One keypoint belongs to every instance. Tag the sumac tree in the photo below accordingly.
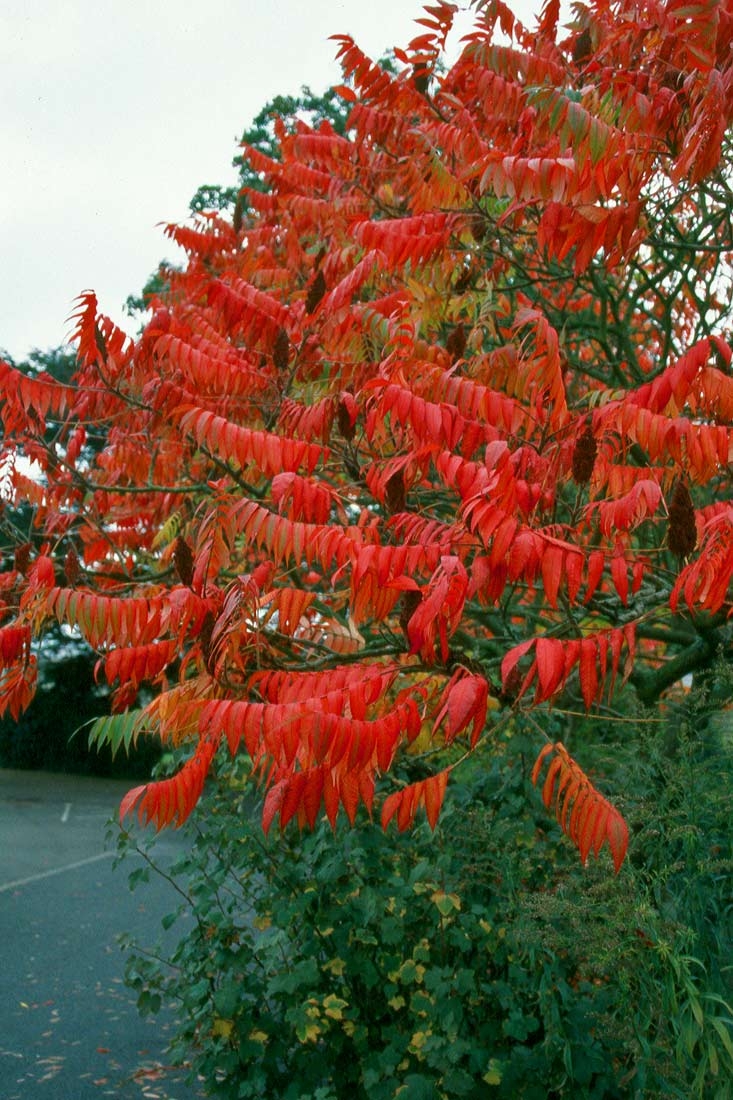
(443, 418)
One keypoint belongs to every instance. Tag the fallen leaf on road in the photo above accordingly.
(151, 1073)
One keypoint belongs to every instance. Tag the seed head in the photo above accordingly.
(281, 350)
(315, 292)
(183, 561)
(409, 604)
(72, 569)
(682, 531)
(584, 457)
(346, 420)
(456, 342)
(23, 557)
(394, 493)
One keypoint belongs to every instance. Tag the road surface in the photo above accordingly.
(69, 1027)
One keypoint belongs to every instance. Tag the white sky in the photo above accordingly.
(113, 114)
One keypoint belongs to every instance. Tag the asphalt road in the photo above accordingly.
(68, 1026)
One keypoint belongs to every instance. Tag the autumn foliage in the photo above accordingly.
(437, 432)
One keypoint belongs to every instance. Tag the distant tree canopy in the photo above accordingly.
(286, 111)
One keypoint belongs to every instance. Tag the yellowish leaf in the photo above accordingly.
(333, 1006)
(222, 1028)
(446, 903)
(493, 1074)
(308, 1032)
(334, 966)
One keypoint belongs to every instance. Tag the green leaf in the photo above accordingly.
(148, 1003)
(302, 974)
(519, 1026)
(408, 973)
(228, 998)
(725, 1034)
(696, 1009)
(139, 875)
(116, 730)
(456, 1082)
(417, 1087)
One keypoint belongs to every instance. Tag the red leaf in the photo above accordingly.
(548, 790)
(130, 800)
(582, 812)
(512, 658)
(552, 570)
(273, 802)
(620, 577)
(617, 834)
(596, 564)
(588, 671)
(550, 666)
(292, 797)
(467, 700)
(404, 803)
(432, 796)
(546, 751)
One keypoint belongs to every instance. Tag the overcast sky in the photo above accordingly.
(113, 114)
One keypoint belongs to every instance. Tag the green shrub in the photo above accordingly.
(478, 961)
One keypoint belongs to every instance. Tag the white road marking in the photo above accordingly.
(65, 814)
(54, 871)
